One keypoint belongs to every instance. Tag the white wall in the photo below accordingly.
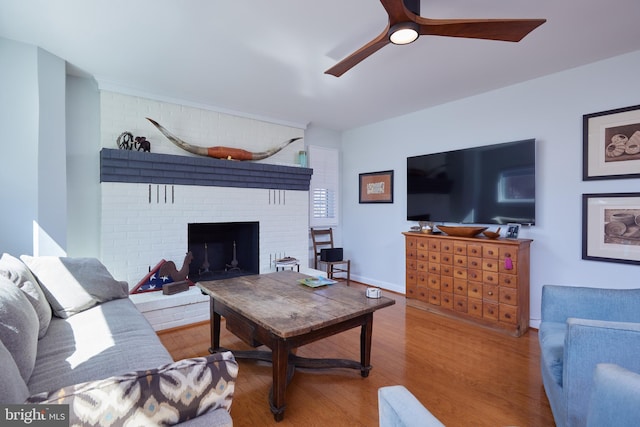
(549, 109)
(32, 148)
(83, 173)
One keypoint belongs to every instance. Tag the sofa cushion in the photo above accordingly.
(14, 389)
(164, 396)
(105, 340)
(18, 327)
(551, 336)
(73, 285)
(16, 271)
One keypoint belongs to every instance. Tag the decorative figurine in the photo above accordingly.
(142, 144)
(125, 141)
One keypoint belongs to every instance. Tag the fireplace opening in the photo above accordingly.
(223, 249)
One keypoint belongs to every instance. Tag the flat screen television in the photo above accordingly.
(494, 184)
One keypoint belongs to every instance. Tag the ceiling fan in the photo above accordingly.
(406, 25)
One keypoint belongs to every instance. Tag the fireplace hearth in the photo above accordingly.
(223, 250)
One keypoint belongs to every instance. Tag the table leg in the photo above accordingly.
(214, 324)
(365, 345)
(280, 360)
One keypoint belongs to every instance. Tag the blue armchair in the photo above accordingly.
(615, 400)
(581, 328)
(397, 407)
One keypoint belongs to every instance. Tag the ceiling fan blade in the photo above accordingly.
(359, 55)
(511, 30)
(397, 11)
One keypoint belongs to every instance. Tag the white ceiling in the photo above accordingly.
(267, 59)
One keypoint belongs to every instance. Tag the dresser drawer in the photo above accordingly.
(508, 296)
(422, 293)
(433, 281)
(474, 307)
(460, 303)
(446, 283)
(474, 250)
(508, 280)
(490, 277)
(446, 300)
(490, 292)
(411, 277)
(474, 274)
(503, 266)
(460, 287)
(474, 290)
(490, 311)
(508, 314)
(412, 290)
(446, 270)
(446, 258)
(460, 260)
(434, 245)
(410, 244)
(421, 278)
(474, 262)
(490, 264)
(434, 268)
(460, 272)
(434, 297)
(460, 248)
(509, 252)
(490, 251)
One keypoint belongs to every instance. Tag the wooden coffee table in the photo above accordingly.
(277, 311)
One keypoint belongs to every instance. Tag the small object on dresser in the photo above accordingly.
(175, 287)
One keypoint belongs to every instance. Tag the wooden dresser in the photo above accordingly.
(477, 279)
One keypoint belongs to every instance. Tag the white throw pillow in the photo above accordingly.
(73, 285)
(18, 327)
(16, 271)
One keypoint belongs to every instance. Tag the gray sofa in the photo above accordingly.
(69, 334)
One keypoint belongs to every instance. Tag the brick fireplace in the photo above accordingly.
(149, 199)
(223, 249)
(145, 222)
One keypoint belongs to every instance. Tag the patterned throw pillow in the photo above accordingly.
(164, 396)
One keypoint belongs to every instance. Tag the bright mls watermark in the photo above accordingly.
(34, 415)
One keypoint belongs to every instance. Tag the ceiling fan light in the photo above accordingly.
(403, 33)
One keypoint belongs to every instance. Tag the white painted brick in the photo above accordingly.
(137, 234)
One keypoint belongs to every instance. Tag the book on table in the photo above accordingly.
(314, 282)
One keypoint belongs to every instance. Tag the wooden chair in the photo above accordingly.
(323, 239)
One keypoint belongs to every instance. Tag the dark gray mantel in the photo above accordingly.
(152, 168)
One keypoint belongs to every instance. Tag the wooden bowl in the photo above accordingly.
(461, 231)
(492, 234)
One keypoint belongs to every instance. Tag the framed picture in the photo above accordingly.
(512, 231)
(376, 187)
(611, 144)
(611, 227)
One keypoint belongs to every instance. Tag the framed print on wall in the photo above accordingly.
(376, 187)
(611, 144)
(611, 227)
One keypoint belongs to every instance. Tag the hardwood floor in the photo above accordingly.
(464, 374)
